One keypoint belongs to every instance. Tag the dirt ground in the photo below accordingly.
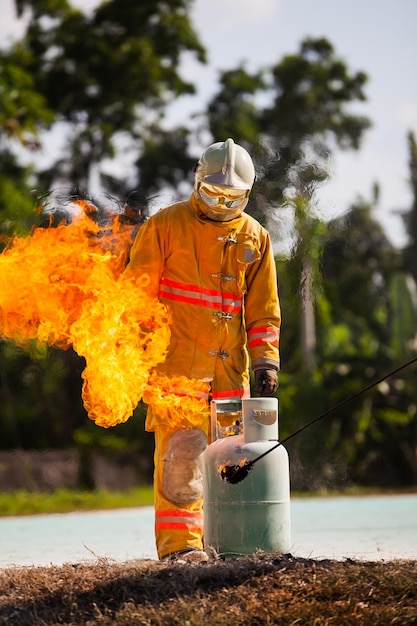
(261, 589)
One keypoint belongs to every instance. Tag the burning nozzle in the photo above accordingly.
(234, 474)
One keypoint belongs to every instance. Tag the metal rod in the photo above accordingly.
(334, 408)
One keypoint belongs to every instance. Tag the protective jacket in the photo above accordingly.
(218, 279)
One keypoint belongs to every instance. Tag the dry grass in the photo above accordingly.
(263, 589)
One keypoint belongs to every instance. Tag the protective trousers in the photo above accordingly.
(178, 488)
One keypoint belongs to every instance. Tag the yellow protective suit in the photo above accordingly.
(218, 280)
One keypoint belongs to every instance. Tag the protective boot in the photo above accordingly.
(188, 557)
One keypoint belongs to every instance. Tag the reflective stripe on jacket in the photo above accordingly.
(219, 281)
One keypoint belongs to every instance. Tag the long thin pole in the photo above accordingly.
(334, 408)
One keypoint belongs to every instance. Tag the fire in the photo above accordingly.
(64, 286)
(228, 464)
(178, 400)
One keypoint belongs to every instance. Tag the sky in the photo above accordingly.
(374, 36)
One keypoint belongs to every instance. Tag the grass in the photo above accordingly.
(247, 591)
(67, 500)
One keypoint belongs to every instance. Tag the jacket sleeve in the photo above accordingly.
(147, 257)
(262, 310)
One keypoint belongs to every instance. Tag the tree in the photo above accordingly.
(165, 161)
(376, 434)
(234, 111)
(23, 115)
(410, 218)
(404, 284)
(307, 115)
(108, 75)
(313, 90)
(105, 76)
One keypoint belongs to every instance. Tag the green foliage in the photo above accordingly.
(68, 500)
(357, 240)
(129, 436)
(313, 89)
(103, 74)
(40, 396)
(16, 202)
(23, 115)
(233, 112)
(403, 318)
(371, 439)
(364, 314)
(307, 96)
(107, 73)
(410, 217)
(174, 169)
(24, 111)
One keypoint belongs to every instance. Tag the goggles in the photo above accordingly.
(214, 196)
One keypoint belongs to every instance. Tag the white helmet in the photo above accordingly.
(223, 180)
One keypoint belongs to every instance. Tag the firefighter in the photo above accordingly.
(213, 267)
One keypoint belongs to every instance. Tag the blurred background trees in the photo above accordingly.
(101, 84)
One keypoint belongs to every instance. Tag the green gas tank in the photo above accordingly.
(254, 514)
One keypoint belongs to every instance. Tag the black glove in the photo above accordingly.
(266, 382)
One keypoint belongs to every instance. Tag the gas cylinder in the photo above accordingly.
(253, 514)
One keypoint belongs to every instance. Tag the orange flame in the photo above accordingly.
(179, 401)
(229, 463)
(64, 286)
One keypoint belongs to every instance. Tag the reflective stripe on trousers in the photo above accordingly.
(175, 519)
